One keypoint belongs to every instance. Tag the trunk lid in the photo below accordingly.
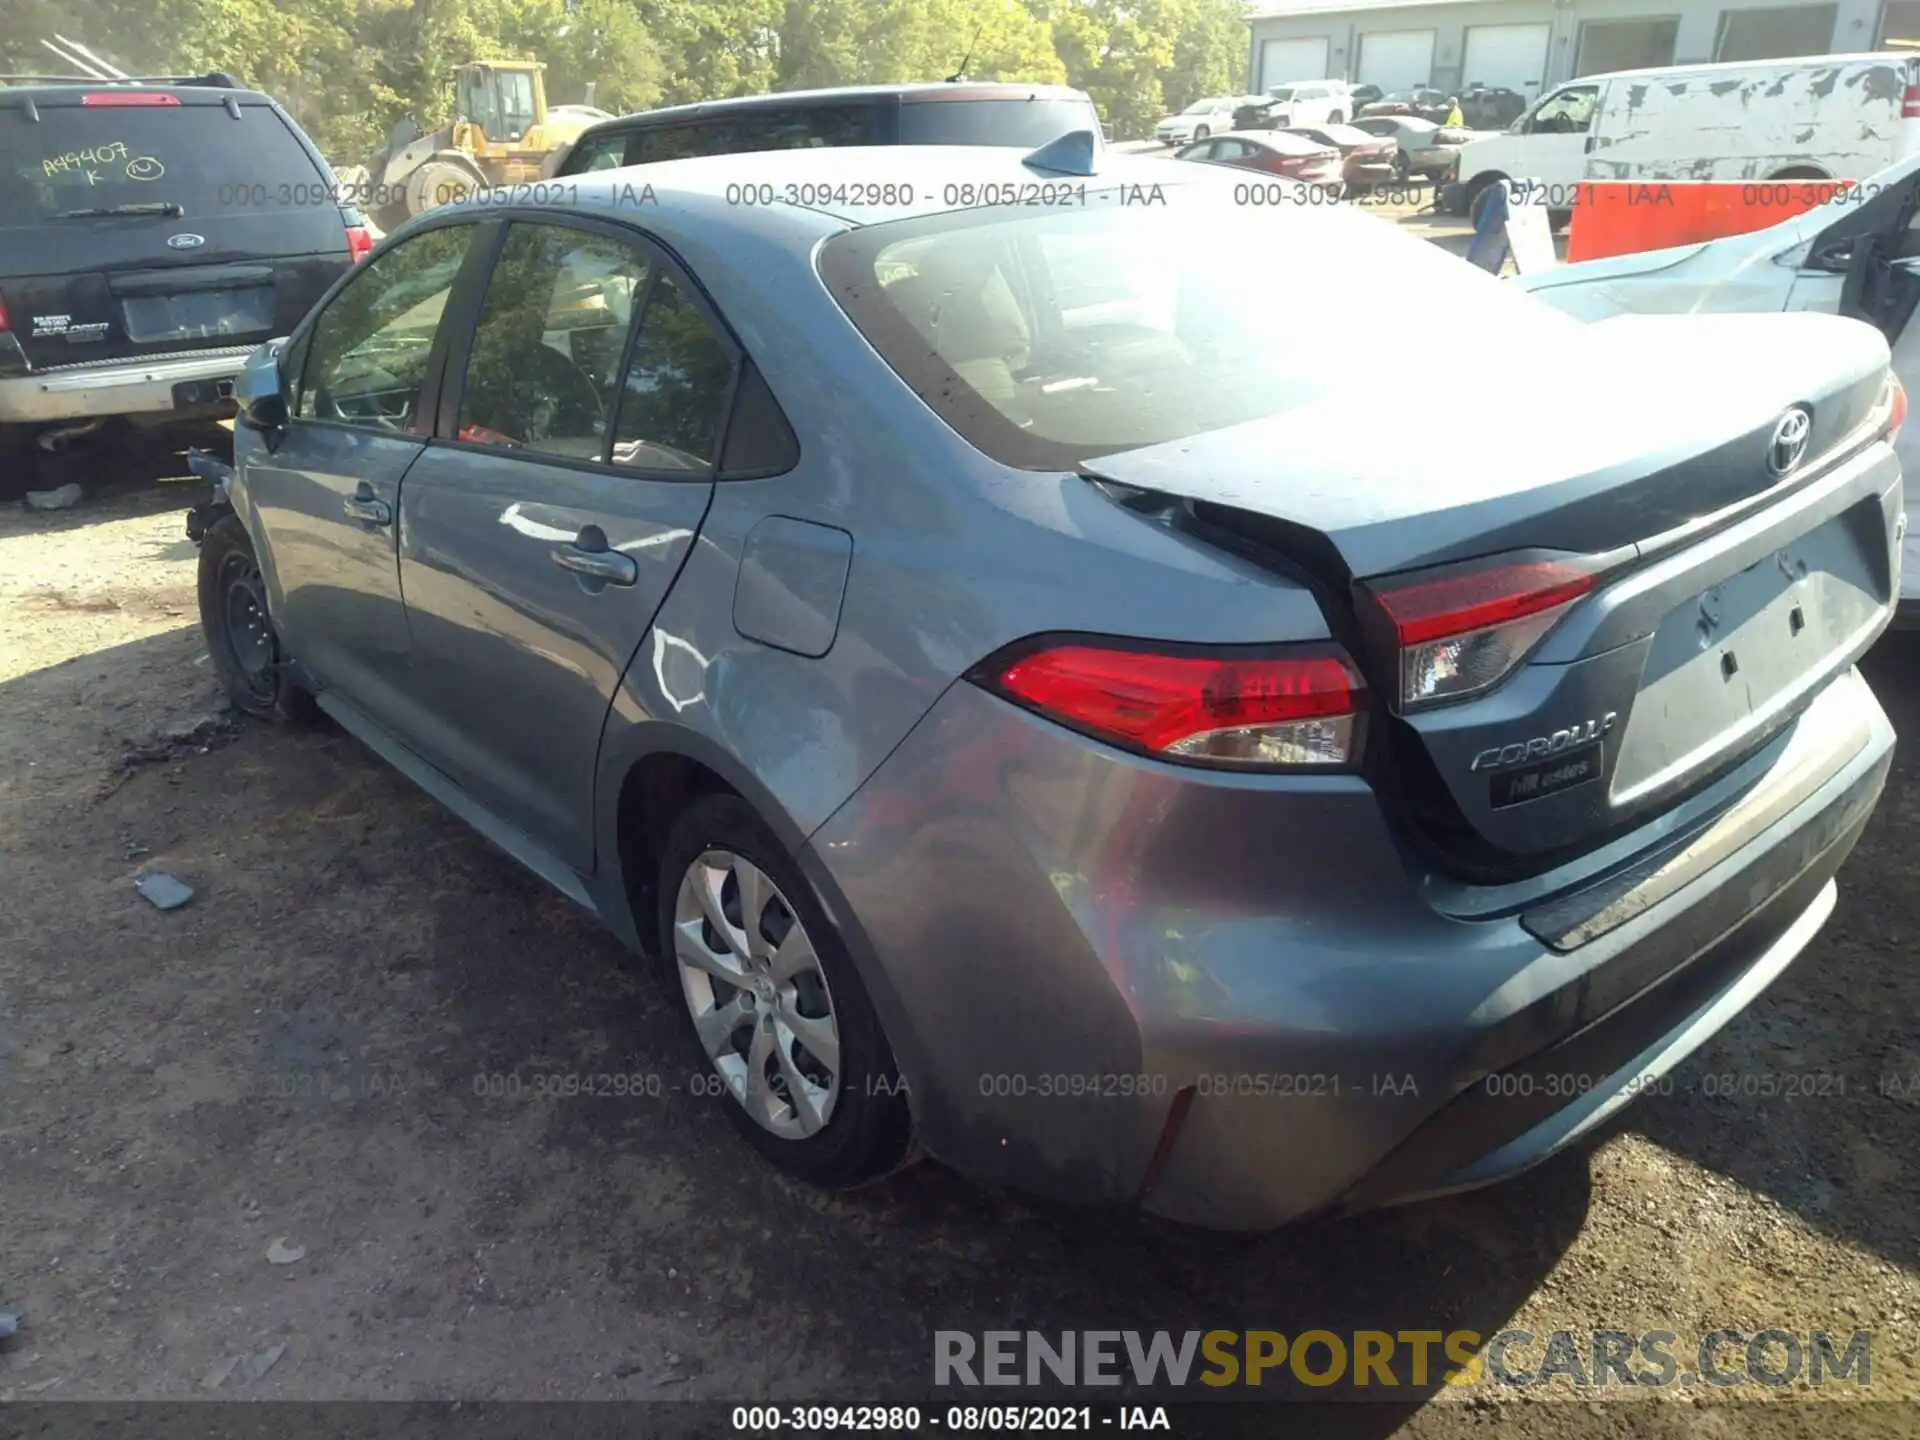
(222, 226)
(1732, 593)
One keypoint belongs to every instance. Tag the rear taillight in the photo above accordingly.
(359, 242)
(4, 326)
(1462, 630)
(110, 98)
(1284, 708)
(1910, 103)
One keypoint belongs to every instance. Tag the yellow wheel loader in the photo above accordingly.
(501, 133)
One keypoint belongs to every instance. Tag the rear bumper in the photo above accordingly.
(131, 387)
(1109, 980)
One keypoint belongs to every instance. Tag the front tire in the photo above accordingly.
(241, 640)
(1201, 132)
(780, 1022)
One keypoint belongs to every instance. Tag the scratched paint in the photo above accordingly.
(1838, 120)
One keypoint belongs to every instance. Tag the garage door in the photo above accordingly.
(1397, 59)
(1284, 60)
(1511, 55)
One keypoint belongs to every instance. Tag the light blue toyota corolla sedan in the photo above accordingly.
(1037, 716)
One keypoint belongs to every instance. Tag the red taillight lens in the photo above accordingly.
(1463, 631)
(1910, 103)
(128, 97)
(1896, 405)
(359, 242)
(4, 327)
(1276, 710)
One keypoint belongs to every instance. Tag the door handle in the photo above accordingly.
(366, 508)
(607, 566)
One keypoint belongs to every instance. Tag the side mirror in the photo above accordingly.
(260, 392)
(265, 414)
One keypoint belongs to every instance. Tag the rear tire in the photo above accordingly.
(795, 1017)
(1337, 118)
(241, 640)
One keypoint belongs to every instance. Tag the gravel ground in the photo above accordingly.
(288, 1070)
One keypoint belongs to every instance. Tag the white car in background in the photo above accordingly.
(1212, 116)
(1312, 102)
(1857, 255)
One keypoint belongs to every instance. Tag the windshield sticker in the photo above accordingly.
(85, 160)
(145, 167)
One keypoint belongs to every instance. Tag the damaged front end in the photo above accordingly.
(216, 472)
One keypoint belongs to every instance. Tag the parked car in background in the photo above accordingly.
(1365, 160)
(1494, 107)
(959, 642)
(1274, 152)
(152, 233)
(1423, 101)
(1255, 112)
(1199, 120)
(953, 113)
(1858, 255)
(1823, 117)
(1423, 150)
(1311, 102)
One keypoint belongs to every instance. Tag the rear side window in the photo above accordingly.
(676, 387)
(546, 353)
(762, 127)
(198, 157)
(1023, 122)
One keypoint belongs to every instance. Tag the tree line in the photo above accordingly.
(348, 69)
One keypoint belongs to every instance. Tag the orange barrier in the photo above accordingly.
(1624, 217)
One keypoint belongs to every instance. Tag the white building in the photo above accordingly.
(1527, 44)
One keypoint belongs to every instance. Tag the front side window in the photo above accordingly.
(1566, 112)
(675, 395)
(368, 358)
(542, 373)
(1051, 338)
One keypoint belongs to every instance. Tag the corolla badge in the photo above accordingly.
(185, 242)
(1788, 447)
(1498, 757)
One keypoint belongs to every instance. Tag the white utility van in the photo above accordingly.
(1825, 117)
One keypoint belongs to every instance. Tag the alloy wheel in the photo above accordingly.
(757, 994)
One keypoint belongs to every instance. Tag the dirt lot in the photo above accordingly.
(293, 1062)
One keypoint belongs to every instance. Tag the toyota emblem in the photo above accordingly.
(186, 242)
(1788, 447)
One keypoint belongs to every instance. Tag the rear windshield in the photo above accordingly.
(1029, 123)
(198, 157)
(1049, 337)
